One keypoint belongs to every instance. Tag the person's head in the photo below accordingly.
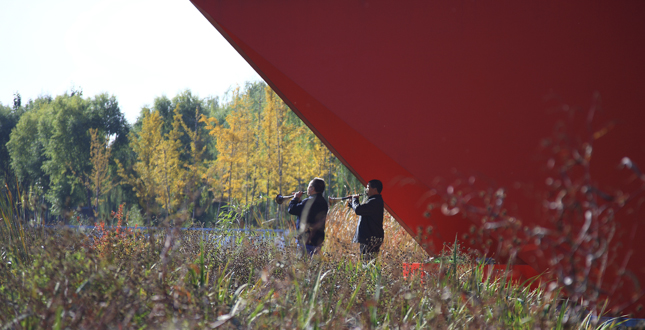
(374, 187)
(316, 186)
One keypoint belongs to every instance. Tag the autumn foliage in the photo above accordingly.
(119, 241)
(257, 150)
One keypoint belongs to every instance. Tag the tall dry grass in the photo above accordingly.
(341, 226)
(173, 279)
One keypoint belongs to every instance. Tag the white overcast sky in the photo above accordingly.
(135, 50)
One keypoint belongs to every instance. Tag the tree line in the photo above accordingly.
(185, 160)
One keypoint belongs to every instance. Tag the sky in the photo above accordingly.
(135, 50)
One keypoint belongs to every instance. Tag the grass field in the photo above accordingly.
(173, 279)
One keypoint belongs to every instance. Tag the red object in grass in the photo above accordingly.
(422, 94)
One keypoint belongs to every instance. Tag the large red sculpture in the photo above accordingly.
(446, 99)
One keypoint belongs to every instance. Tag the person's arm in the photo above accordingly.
(296, 206)
(353, 203)
(371, 207)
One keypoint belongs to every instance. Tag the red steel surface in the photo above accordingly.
(416, 92)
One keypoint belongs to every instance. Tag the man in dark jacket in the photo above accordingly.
(369, 231)
(311, 216)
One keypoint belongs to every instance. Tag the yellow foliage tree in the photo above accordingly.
(196, 167)
(145, 145)
(266, 152)
(98, 182)
(169, 172)
(165, 172)
(278, 137)
(235, 147)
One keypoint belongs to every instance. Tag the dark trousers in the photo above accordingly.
(311, 250)
(370, 251)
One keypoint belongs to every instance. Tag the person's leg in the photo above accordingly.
(369, 251)
(301, 247)
(366, 255)
(362, 248)
(374, 250)
(311, 250)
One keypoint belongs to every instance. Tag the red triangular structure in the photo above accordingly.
(422, 94)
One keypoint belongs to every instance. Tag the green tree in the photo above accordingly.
(8, 120)
(26, 148)
(50, 145)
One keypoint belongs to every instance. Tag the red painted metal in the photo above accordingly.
(422, 93)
